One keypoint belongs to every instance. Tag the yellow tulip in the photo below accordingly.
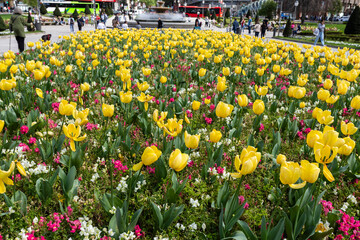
(195, 105)
(223, 110)
(302, 105)
(107, 110)
(238, 70)
(80, 117)
(247, 162)
(290, 172)
(73, 133)
(173, 127)
(243, 100)
(178, 160)
(202, 72)
(30, 44)
(85, 87)
(149, 156)
(328, 84)
(20, 168)
(260, 71)
(163, 79)
(347, 146)
(226, 71)
(143, 86)
(38, 74)
(276, 68)
(317, 111)
(68, 69)
(348, 128)
(39, 92)
(146, 71)
(145, 99)
(125, 97)
(2, 123)
(323, 94)
(355, 102)
(215, 136)
(66, 108)
(309, 171)
(156, 116)
(207, 101)
(191, 141)
(4, 178)
(258, 107)
(332, 99)
(325, 118)
(262, 91)
(280, 159)
(312, 137)
(221, 85)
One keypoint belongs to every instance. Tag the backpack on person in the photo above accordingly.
(316, 31)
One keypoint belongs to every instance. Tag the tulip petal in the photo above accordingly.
(236, 175)
(2, 187)
(298, 186)
(137, 166)
(72, 145)
(20, 168)
(328, 174)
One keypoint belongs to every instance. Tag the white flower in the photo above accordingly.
(194, 203)
(35, 220)
(112, 210)
(345, 206)
(203, 226)
(193, 227)
(111, 232)
(352, 199)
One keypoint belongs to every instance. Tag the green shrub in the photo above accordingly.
(43, 9)
(287, 31)
(2, 25)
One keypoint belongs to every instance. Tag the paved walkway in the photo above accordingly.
(9, 42)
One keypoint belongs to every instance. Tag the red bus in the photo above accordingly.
(191, 11)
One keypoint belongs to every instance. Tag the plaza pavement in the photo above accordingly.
(58, 30)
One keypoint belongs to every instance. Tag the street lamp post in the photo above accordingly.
(185, 4)
(296, 4)
(280, 16)
(94, 7)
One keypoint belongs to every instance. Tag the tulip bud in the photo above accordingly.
(195, 105)
(258, 107)
(215, 136)
(243, 100)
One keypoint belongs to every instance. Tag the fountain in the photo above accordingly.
(169, 19)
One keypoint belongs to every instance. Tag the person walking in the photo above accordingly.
(320, 29)
(71, 23)
(17, 24)
(160, 23)
(81, 23)
(236, 26)
(242, 25)
(263, 29)
(249, 24)
(257, 29)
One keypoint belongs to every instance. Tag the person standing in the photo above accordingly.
(249, 24)
(71, 23)
(81, 22)
(236, 26)
(17, 24)
(263, 29)
(160, 23)
(321, 30)
(257, 29)
(243, 25)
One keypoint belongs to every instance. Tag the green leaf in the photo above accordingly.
(321, 235)
(157, 214)
(43, 189)
(277, 232)
(171, 214)
(69, 180)
(134, 219)
(20, 198)
(223, 194)
(246, 229)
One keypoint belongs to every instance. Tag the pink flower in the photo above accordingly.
(24, 129)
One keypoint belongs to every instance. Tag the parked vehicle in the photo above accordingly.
(344, 18)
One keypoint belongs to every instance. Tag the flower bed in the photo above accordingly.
(176, 134)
